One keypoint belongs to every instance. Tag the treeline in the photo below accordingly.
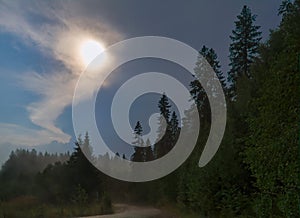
(18, 172)
(255, 173)
(51, 185)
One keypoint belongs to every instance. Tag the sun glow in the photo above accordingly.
(89, 50)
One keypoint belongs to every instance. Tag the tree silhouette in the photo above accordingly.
(165, 140)
(138, 155)
(148, 151)
(244, 47)
(197, 91)
(81, 170)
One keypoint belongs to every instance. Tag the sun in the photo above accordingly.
(89, 50)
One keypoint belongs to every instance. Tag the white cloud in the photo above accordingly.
(57, 29)
(29, 137)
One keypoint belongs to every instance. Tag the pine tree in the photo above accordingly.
(174, 128)
(86, 147)
(244, 47)
(138, 130)
(80, 169)
(167, 138)
(197, 91)
(162, 146)
(164, 107)
(148, 151)
(212, 58)
(138, 154)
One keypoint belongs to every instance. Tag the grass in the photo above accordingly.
(30, 207)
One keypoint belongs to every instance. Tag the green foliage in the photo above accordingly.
(255, 172)
(273, 143)
(211, 57)
(164, 107)
(197, 91)
(106, 205)
(244, 47)
(80, 196)
(63, 189)
(139, 149)
(17, 176)
(168, 130)
(81, 172)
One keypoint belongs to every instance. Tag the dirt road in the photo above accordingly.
(131, 211)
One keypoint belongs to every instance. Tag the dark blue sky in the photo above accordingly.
(39, 63)
(195, 22)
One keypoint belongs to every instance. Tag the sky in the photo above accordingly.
(40, 59)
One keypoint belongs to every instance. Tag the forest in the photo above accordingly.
(255, 172)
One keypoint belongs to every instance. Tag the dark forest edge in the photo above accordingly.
(255, 173)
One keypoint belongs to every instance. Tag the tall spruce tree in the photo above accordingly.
(164, 107)
(243, 48)
(138, 143)
(81, 171)
(148, 151)
(197, 91)
(174, 127)
(212, 58)
(163, 145)
(86, 147)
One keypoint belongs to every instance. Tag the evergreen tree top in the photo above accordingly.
(243, 48)
(138, 130)
(164, 106)
(212, 58)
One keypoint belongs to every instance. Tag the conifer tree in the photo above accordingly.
(138, 154)
(174, 128)
(164, 106)
(197, 91)
(80, 169)
(243, 48)
(163, 144)
(148, 151)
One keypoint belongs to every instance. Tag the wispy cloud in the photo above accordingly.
(56, 29)
(18, 135)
